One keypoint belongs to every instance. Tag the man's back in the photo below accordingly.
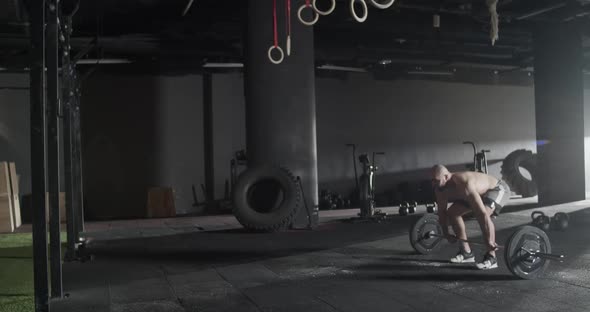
(480, 181)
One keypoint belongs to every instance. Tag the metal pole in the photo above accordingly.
(38, 173)
(78, 176)
(208, 133)
(52, 59)
(68, 95)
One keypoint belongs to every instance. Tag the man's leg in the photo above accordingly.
(455, 213)
(484, 218)
(485, 222)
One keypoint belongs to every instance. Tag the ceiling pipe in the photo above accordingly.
(540, 11)
(430, 73)
(103, 61)
(223, 65)
(343, 68)
(188, 7)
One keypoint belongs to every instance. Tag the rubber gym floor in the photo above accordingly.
(202, 264)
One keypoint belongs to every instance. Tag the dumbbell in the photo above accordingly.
(431, 208)
(412, 207)
(403, 209)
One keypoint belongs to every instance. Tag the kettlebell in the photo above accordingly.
(560, 221)
(541, 221)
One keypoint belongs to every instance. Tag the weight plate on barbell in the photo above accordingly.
(425, 224)
(518, 260)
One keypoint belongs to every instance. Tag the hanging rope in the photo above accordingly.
(494, 19)
(288, 26)
(275, 37)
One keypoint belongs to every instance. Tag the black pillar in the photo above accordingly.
(77, 163)
(280, 100)
(67, 97)
(38, 151)
(559, 107)
(53, 154)
(208, 138)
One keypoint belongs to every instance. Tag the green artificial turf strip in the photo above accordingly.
(16, 272)
(16, 288)
(17, 304)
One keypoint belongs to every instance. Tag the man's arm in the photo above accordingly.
(484, 220)
(442, 203)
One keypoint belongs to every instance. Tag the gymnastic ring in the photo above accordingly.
(356, 17)
(330, 10)
(380, 5)
(315, 20)
(280, 60)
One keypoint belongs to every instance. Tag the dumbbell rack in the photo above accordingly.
(406, 208)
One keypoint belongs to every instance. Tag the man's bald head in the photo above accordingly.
(440, 176)
(439, 170)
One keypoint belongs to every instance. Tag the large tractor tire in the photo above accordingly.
(512, 174)
(266, 198)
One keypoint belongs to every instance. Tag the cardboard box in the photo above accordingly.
(6, 217)
(160, 203)
(15, 195)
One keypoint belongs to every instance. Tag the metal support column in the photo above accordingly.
(38, 149)
(53, 172)
(208, 139)
(280, 104)
(77, 159)
(67, 97)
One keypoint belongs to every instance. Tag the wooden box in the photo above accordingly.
(160, 202)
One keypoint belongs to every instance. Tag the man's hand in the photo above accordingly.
(451, 238)
(492, 246)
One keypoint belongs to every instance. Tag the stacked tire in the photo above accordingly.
(266, 198)
(512, 174)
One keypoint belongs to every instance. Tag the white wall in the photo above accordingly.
(418, 124)
(587, 140)
(144, 131)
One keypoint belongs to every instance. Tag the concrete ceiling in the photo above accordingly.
(156, 32)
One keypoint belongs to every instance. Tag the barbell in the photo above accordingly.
(526, 251)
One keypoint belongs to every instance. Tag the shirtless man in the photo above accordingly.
(474, 192)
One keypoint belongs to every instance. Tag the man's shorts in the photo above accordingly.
(497, 197)
(494, 198)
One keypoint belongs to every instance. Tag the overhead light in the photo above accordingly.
(432, 73)
(103, 61)
(385, 62)
(436, 21)
(223, 65)
(343, 68)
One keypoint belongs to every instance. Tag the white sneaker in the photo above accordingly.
(489, 262)
(463, 257)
